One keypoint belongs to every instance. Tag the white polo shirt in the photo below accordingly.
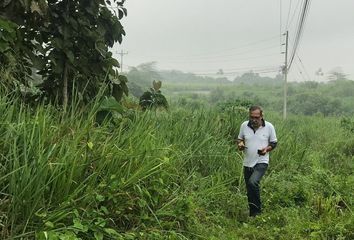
(255, 140)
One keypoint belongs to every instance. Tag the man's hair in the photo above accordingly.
(256, 107)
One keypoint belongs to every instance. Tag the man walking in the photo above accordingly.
(257, 138)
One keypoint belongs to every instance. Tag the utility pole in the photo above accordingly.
(285, 72)
(121, 59)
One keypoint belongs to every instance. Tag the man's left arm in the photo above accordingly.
(271, 146)
(272, 141)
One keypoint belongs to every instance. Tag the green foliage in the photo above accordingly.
(67, 42)
(153, 99)
(175, 76)
(120, 87)
(237, 103)
(309, 104)
(192, 104)
(251, 78)
(347, 124)
(141, 78)
(8, 35)
(63, 177)
(15, 68)
(108, 108)
(79, 43)
(217, 95)
(305, 98)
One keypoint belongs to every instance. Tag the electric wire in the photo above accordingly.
(262, 69)
(300, 71)
(242, 48)
(287, 19)
(299, 31)
(303, 67)
(293, 16)
(235, 57)
(238, 72)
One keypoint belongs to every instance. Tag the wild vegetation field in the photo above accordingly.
(334, 98)
(331, 98)
(168, 175)
(79, 159)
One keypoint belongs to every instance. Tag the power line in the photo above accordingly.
(245, 68)
(298, 19)
(285, 72)
(299, 31)
(218, 52)
(300, 71)
(260, 69)
(237, 73)
(303, 67)
(292, 18)
(234, 58)
(287, 19)
(241, 47)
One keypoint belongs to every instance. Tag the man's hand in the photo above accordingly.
(265, 150)
(241, 145)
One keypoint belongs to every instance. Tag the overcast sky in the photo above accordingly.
(203, 36)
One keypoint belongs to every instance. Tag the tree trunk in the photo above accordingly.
(65, 73)
(65, 85)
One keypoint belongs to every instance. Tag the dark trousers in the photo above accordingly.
(253, 177)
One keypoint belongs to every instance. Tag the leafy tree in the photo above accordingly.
(337, 74)
(175, 76)
(141, 77)
(14, 65)
(19, 23)
(312, 103)
(68, 42)
(253, 77)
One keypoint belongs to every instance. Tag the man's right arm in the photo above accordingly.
(240, 144)
(240, 139)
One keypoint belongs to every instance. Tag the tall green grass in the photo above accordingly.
(166, 175)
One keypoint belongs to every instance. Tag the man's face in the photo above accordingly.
(256, 118)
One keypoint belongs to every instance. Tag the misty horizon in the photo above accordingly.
(205, 38)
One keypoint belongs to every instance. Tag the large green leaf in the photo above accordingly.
(106, 109)
(4, 46)
(70, 56)
(101, 47)
(125, 88)
(111, 62)
(7, 25)
(123, 79)
(117, 92)
(111, 104)
(123, 82)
